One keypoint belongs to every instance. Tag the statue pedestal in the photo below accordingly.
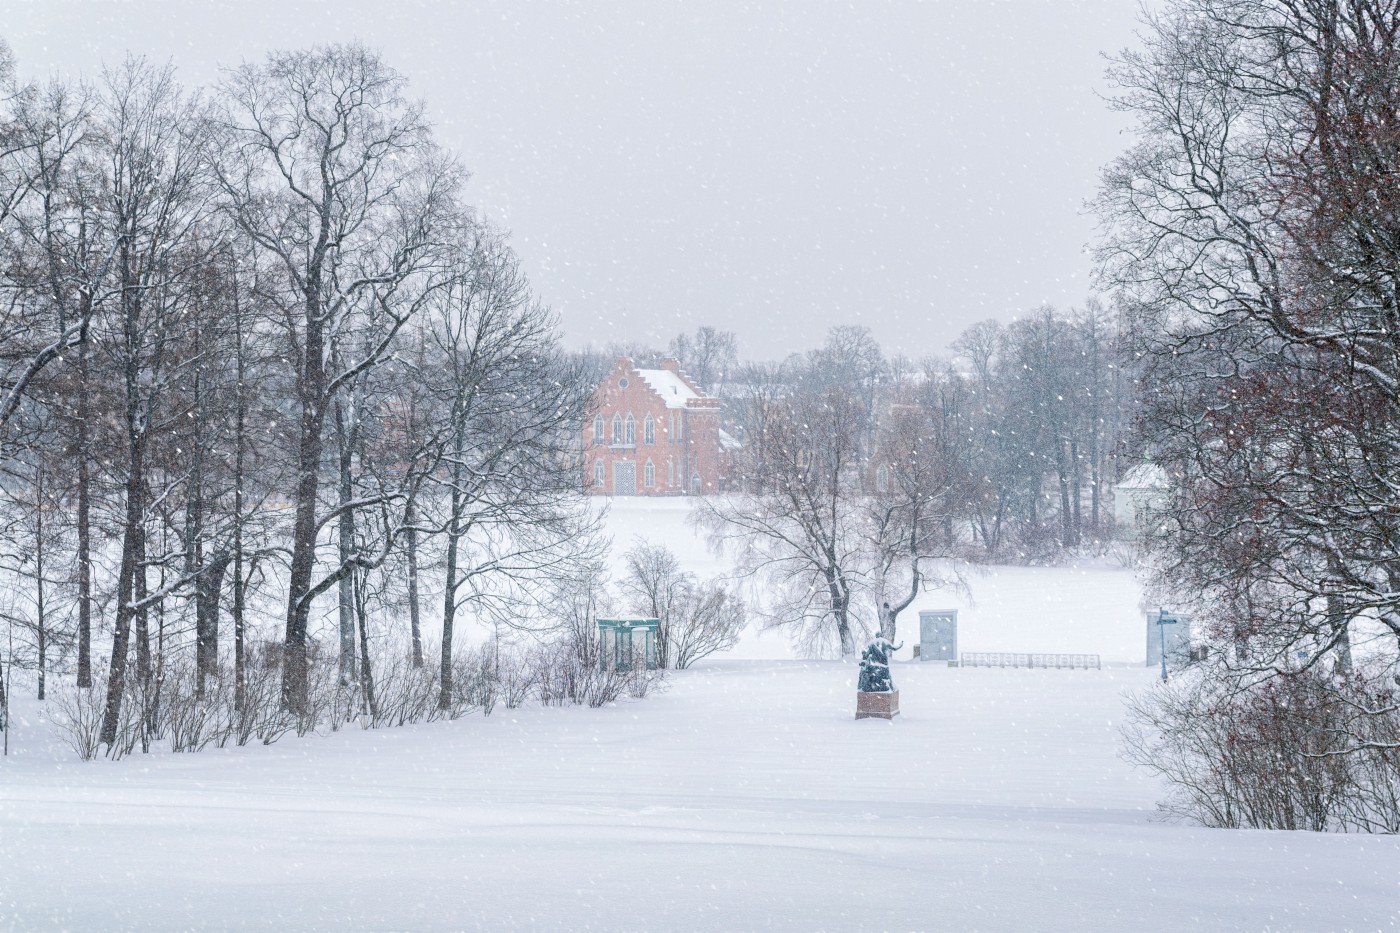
(877, 705)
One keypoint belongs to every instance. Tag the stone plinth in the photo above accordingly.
(877, 705)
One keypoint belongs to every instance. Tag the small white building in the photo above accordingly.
(1146, 488)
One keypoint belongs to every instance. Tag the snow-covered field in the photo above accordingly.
(1091, 609)
(743, 797)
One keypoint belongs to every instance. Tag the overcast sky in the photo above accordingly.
(770, 168)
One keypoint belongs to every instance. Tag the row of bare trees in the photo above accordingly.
(863, 480)
(259, 357)
(1253, 230)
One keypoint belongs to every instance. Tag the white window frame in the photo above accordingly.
(649, 430)
(649, 475)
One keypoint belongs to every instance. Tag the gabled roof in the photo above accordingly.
(674, 390)
(1145, 476)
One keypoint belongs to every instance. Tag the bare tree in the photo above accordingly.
(1253, 229)
(153, 195)
(510, 487)
(708, 356)
(332, 176)
(920, 495)
(654, 584)
(796, 525)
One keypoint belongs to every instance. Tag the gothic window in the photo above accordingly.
(617, 429)
(631, 430)
(599, 477)
(597, 430)
(649, 474)
(648, 431)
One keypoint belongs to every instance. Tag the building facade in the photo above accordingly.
(653, 433)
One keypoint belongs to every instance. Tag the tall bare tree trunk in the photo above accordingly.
(132, 567)
(344, 432)
(139, 591)
(42, 634)
(312, 389)
(84, 555)
(361, 614)
(208, 586)
(126, 575)
(449, 596)
(411, 545)
(240, 672)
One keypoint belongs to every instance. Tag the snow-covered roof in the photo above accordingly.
(671, 387)
(728, 441)
(1145, 476)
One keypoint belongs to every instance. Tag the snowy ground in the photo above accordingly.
(1090, 609)
(743, 797)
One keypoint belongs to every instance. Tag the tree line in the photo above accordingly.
(862, 479)
(258, 350)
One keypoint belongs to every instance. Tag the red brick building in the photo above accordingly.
(654, 433)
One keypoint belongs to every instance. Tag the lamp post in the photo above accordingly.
(1163, 620)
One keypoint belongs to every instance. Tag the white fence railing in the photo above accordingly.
(1014, 659)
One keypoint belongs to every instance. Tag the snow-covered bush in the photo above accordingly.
(193, 720)
(170, 707)
(695, 618)
(1308, 750)
(76, 713)
(261, 715)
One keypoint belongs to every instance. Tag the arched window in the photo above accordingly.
(597, 430)
(649, 474)
(631, 430)
(648, 431)
(670, 472)
(599, 475)
(695, 483)
(617, 429)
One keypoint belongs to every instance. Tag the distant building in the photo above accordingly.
(653, 433)
(1145, 489)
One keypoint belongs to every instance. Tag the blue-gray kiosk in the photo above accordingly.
(938, 635)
